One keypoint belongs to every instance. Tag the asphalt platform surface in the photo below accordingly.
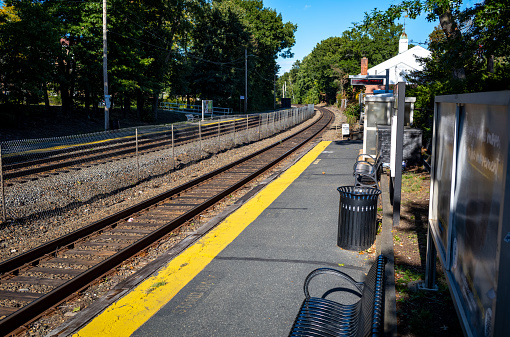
(254, 286)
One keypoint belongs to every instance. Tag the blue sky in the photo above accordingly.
(320, 19)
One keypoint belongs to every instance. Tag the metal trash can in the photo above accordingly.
(357, 217)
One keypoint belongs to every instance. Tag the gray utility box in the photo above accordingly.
(378, 112)
(286, 104)
(411, 146)
(469, 213)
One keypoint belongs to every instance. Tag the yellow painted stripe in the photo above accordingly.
(130, 312)
(224, 121)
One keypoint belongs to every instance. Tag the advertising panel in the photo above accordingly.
(467, 215)
(443, 166)
(482, 151)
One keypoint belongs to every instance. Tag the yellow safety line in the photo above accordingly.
(130, 312)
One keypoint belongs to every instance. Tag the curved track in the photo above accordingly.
(47, 275)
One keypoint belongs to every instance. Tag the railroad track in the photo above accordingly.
(44, 277)
(23, 166)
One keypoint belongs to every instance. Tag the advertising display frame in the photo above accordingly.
(469, 212)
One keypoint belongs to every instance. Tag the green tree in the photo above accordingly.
(146, 37)
(469, 49)
(29, 44)
(270, 38)
(216, 54)
(183, 47)
(324, 72)
(470, 35)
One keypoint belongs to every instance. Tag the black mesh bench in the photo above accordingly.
(324, 317)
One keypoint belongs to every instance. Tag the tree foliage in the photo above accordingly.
(324, 72)
(469, 49)
(188, 49)
(29, 47)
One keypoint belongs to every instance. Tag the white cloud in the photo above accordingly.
(307, 6)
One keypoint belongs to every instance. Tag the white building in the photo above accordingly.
(405, 62)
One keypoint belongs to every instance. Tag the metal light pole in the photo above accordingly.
(401, 99)
(105, 74)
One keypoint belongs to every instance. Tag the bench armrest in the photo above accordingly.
(320, 271)
(364, 167)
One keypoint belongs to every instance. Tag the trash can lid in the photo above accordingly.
(359, 191)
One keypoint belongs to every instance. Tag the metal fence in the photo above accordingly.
(44, 178)
(193, 109)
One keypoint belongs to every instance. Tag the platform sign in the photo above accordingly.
(108, 101)
(207, 108)
(345, 130)
(469, 201)
(367, 81)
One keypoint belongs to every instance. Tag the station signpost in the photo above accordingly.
(207, 108)
(345, 130)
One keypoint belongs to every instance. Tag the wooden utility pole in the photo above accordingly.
(245, 80)
(274, 91)
(105, 74)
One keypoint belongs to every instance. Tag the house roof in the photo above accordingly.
(401, 64)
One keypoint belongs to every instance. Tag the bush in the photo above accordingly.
(352, 110)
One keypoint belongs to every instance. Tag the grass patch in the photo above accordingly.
(405, 275)
(412, 182)
(156, 286)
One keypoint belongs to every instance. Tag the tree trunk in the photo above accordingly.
(452, 34)
(139, 105)
(46, 98)
(490, 64)
(64, 95)
(87, 100)
(127, 106)
(64, 87)
(155, 103)
(72, 79)
(448, 25)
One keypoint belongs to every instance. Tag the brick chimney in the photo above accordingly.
(364, 66)
(403, 43)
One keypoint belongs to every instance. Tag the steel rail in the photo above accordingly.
(36, 308)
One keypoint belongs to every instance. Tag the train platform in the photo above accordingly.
(245, 276)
